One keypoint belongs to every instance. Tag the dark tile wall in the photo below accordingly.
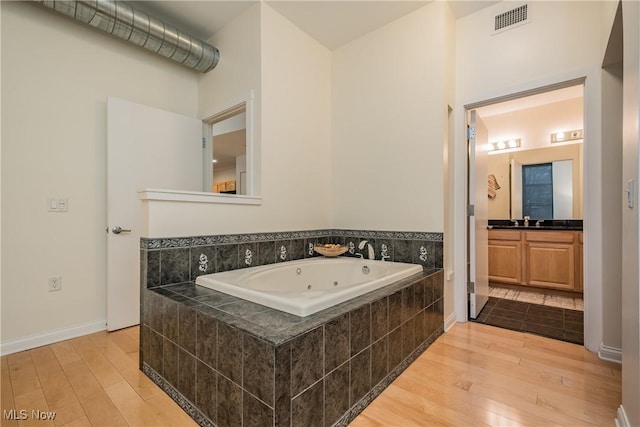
(177, 260)
(222, 375)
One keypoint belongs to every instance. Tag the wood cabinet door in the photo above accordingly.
(505, 261)
(550, 265)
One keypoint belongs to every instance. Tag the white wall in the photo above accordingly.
(449, 170)
(237, 76)
(389, 111)
(238, 70)
(291, 74)
(56, 76)
(630, 277)
(518, 60)
(535, 125)
(391, 92)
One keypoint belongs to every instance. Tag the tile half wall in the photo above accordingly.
(177, 260)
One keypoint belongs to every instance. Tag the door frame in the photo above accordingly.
(591, 290)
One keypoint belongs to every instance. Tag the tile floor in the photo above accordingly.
(552, 322)
(540, 297)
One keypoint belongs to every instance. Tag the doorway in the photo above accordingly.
(532, 190)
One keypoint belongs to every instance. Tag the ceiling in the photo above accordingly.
(532, 101)
(335, 23)
(332, 23)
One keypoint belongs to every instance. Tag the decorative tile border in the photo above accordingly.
(185, 242)
(396, 235)
(168, 261)
(177, 397)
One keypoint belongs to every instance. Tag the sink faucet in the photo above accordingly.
(538, 222)
(515, 222)
(370, 252)
(526, 221)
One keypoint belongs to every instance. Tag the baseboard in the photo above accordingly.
(621, 418)
(449, 321)
(610, 354)
(50, 337)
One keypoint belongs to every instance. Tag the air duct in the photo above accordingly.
(122, 20)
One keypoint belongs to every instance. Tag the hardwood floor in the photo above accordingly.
(474, 375)
(479, 375)
(88, 381)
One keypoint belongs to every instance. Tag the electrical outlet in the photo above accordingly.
(55, 283)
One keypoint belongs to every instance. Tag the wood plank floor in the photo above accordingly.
(88, 381)
(479, 375)
(474, 375)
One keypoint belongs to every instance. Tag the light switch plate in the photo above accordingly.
(57, 204)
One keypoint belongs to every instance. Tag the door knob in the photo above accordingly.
(117, 230)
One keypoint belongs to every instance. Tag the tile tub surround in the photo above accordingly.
(229, 362)
(177, 260)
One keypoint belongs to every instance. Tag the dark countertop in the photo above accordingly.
(547, 225)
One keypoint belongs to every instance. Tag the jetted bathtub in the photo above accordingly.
(307, 286)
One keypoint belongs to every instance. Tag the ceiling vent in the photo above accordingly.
(511, 19)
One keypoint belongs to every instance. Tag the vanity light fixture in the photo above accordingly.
(502, 145)
(570, 135)
(214, 161)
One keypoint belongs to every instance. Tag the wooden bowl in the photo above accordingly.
(330, 251)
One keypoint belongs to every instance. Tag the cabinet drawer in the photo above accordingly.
(504, 235)
(550, 236)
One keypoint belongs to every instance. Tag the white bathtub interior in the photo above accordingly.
(307, 286)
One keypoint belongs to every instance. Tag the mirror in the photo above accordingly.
(555, 174)
(229, 151)
(542, 190)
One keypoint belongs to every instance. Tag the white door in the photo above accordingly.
(146, 148)
(478, 196)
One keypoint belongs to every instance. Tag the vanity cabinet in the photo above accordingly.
(505, 256)
(550, 259)
(545, 259)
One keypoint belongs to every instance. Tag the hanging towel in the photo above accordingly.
(493, 186)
